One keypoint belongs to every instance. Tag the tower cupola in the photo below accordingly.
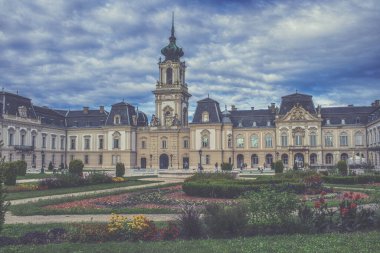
(172, 52)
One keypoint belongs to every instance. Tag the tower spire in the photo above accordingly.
(172, 24)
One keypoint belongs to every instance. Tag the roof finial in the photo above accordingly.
(173, 24)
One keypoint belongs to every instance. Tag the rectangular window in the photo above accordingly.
(22, 139)
(101, 143)
(359, 140)
(163, 144)
(85, 159)
(143, 144)
(328, 141)
(100, 160)
(43, 141)
(10, 141)
(298, 140)
(115, 159)
(62, 143)
(268, 141)
(313, 140)
(343, 139)
(53, 159)
(115, 143)
(71, 157)
(87, 143)
(61, 159)
(52, 142)
(284, 140)
(185, 143)
(10, 157)
(72, 143)
(33, 161)
(33, 141)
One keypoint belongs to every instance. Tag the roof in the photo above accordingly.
(49, 116)
(350, 114)
(252, 118)
(211, 107)
(289, 101)
(88, 118)
(13, 102)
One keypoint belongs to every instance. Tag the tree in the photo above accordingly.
(3, 204)
(20, 167)
(76, 167)
(342, 167)
(120, 169)
(278, 167)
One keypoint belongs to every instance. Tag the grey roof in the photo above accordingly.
(93, 118)
(13, 102)
(142, 119)
(246, 118)
(207, 105)
(125, 111)
(351, 114)
(49, 116)
(289, 101)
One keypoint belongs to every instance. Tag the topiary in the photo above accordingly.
(226, 166)
(3, 204)
(120, 169)
(342, 167)
(20, 167)
(278, 167)
(9, 173)
(76, 167)
(51, 166)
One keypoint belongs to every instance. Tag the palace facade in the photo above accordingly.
(296, 131)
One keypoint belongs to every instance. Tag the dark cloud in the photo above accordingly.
(247, 53)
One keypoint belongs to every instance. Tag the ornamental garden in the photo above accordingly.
(205, 207)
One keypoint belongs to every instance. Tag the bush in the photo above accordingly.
(9, 173)
(61, 166)
(226, 166)
(190, 222)
(76, 167)
(89, 232)
(120, 169)
(342, 167)
(34, 238)
(98, 178)
(226, 221)
(51, 166)
(278, 167)
(3, 204)
(63, 180)
(20, 167)
(211, 176)
(271, 207)
(362, 179)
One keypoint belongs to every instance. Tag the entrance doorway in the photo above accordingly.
(240, 161)
(185, 163)
(143, 163)
(299, 160)
(164, 161)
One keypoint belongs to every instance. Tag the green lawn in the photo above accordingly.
(354, 242)
(40, 193)
(36, 208)
(34, 176)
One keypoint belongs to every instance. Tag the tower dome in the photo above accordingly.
(172, 52)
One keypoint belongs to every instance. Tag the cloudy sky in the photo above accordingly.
(69, 54)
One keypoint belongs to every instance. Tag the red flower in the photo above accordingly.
(353, 205)
(317, 204)
(345, 195)
(343, 211)
(323, 193)
(357, 197)
(322, 200)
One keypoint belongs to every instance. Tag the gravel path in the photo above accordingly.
(41, 219)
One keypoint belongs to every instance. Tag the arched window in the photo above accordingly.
(285, 159)
(205, 139)
(240, 141)
(22, 137)
(11, 133)
(329, 158)
(268, 141)
(268, 159)
(229, 141)
(344, 157)
(284, 139)
(205, 117)
(254, 160)
(169, 76)
(358, 139)
(313, 159)
(254, 141)
(116, 120)
(116, 140)
(343, 139)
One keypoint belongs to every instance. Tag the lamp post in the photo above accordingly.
(200, 158)
(171, 160)
(151, 161)
(42, 162)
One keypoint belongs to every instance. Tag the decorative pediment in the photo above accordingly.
(298, 113)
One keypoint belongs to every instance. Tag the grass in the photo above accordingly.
(353, 186)
(34, 176)
(335, 242)
(40, 193)
(37, 207)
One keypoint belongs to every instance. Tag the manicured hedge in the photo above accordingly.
(224, 189)
(351, 179)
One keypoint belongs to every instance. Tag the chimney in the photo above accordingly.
(85, 109)
(233, 108)
(272, 107)
(376, 103)
(101, 109)
(252, 108)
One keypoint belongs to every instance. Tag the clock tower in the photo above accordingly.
(172, 96)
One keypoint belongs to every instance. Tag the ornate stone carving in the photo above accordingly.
(298, 113)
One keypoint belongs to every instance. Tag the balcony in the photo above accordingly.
(299, 148)
(24, 148)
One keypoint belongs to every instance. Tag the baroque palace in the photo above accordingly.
(295, 132)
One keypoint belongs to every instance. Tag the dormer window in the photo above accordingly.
(343, 121)
(268, 123)
(357, 120)
(205, 117)
(240, 123)
(254, 124)
(116, 120)
(327, 121)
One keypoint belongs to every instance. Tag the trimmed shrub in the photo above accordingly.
(3, 204)
(211, 176)
(120, 169)
(51, 166)
(34, 238)
(226, 166)
(278, 167)
(63, 180)
(20, 167)
(99, 178)
(342, 167)
(9, 172)
(76, 167)
(362, 179)
(226, 221)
